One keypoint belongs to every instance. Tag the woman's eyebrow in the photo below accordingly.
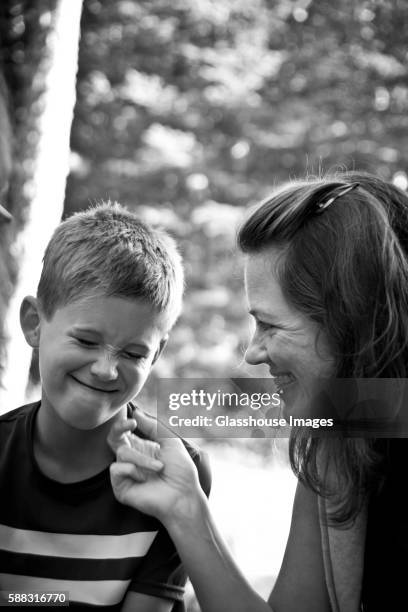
(261, 314)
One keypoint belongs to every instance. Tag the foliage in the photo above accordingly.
(188, 111)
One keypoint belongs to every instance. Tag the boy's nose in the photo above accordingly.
(256, 352)
(105, 367)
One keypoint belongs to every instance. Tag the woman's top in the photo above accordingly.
(385, 580)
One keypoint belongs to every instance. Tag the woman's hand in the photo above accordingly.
(154, 475)
(147, 450)
(173, 495)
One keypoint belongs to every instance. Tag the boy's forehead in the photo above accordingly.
(116, 318)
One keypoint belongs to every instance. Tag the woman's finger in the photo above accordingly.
(147, 447)
(120, 472)
(146, 424)
(139, 458)
(119, 433)
(151, 427)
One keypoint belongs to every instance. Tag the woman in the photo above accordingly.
(327, 284)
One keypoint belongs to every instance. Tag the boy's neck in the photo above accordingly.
(66, 454)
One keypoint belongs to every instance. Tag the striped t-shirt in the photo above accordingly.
(76, 537)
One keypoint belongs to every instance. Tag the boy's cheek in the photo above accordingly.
(138, 382)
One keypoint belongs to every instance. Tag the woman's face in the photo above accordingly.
(294, 347)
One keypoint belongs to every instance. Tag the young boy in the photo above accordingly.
(110, 291)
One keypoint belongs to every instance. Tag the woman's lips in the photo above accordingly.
(282, 380)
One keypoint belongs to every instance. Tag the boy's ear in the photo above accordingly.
(30, 320)
(159, 351)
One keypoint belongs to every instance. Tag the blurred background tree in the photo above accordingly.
(188, 111)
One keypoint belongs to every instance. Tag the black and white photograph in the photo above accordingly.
(204, 305)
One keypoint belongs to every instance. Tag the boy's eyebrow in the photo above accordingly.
(90, 330)
(84, 328)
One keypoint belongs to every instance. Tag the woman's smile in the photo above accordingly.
(294, 347)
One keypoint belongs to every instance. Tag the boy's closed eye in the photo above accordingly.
(85, 341)
(92, 343)
(133, 356)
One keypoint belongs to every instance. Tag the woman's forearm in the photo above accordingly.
(217, 581)
(173, 495)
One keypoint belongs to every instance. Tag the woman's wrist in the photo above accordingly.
(186, 513)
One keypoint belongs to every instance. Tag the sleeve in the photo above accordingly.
(161, 573)
(202, 464)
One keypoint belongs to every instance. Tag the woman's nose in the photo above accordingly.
(105, 367)
(256, 352)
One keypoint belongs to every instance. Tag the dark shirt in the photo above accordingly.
(77, 537)
(385, 580)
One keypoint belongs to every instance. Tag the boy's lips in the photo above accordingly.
(94, 388)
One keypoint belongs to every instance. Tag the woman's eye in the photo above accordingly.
(262, 326)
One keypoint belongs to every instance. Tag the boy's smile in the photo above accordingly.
(104, 390)
(95, 355)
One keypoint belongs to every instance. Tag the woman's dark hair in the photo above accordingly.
(345, 267)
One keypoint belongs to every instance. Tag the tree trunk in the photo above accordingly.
(43, 91)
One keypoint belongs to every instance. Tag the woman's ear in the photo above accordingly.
(30, 320)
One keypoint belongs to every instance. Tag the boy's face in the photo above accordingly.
(95, 355)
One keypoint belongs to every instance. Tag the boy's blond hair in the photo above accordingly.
(107, 250)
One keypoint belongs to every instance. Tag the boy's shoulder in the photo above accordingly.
(14, 423)
(17, 414)
(202, 464)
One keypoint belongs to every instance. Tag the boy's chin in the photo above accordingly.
(84, 419)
